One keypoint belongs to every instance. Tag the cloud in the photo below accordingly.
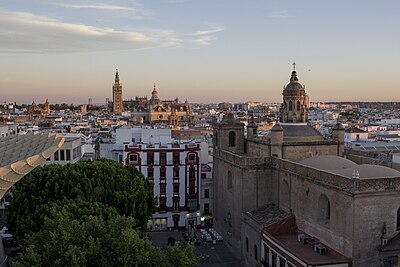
(29, 33)
(22, 32)
(136, 12)
(280, 14)
(204, 37)
(214, 29)
(98, 6)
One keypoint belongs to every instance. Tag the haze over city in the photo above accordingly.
(205, 51)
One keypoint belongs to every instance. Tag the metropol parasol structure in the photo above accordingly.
(19, 155)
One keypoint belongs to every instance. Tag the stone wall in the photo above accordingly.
(252, 231)
(250, 189)
(302, 151)
(371, 212)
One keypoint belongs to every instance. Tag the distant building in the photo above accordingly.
(354, 134)
(47, 107)
(117, 95)
(69, 152)
(157, 111)
(83, 109)
(173, 168)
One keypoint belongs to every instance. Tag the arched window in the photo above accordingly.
(324, 209)
(229, 184)
(398, 220)
(298, 105)
(232, 138)
(290, 105)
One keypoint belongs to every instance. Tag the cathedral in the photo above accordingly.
(291, 199)
(153, 110)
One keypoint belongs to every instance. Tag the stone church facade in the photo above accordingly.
(352, 209)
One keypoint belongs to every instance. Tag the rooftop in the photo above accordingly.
(347, 168)
(268, 214)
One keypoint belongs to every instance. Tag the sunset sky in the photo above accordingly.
(200, 50)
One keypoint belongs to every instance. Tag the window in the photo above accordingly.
(255, 252)
(176, 188)
(192, 157)
(247, 244)
(163, 203)
(176, 173)
(266, 254)
(192, 173)
(192, 204)
(324, 209)
(232, 138)
(150, 158)
(216, 138)
(163, 188)
(175, 204)
(56, 156)
(282, 262)
(175, 158)
(229, 184)
(62, 154)
(133, 158)
(207, 208)
(203, 175)
(68, 154)
(150, 174)
(163, 158)
(298, 105)
(120, 159)
(162, 173)
(398, 220)
(290, 105)
(206, 193)
(192, 190)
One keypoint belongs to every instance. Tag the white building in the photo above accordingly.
(354, 134)
(70, 151)
(173, 167)
(6, 130)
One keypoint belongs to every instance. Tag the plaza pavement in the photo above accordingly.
(219, 254)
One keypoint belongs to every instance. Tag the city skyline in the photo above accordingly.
(208, 51)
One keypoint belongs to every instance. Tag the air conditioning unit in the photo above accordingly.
(320, 249)
(302, 238)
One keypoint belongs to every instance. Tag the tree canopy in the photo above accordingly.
(91, 213)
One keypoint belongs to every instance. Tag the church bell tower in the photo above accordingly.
(295, 104)
(117, 95)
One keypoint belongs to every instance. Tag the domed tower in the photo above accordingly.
(295, 101)
(154, 100)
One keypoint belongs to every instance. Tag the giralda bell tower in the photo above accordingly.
(117, 95)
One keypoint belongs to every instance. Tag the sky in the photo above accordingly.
(206, 51)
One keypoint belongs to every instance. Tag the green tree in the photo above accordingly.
(91, 213)
(88, 241)
(101, 181)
